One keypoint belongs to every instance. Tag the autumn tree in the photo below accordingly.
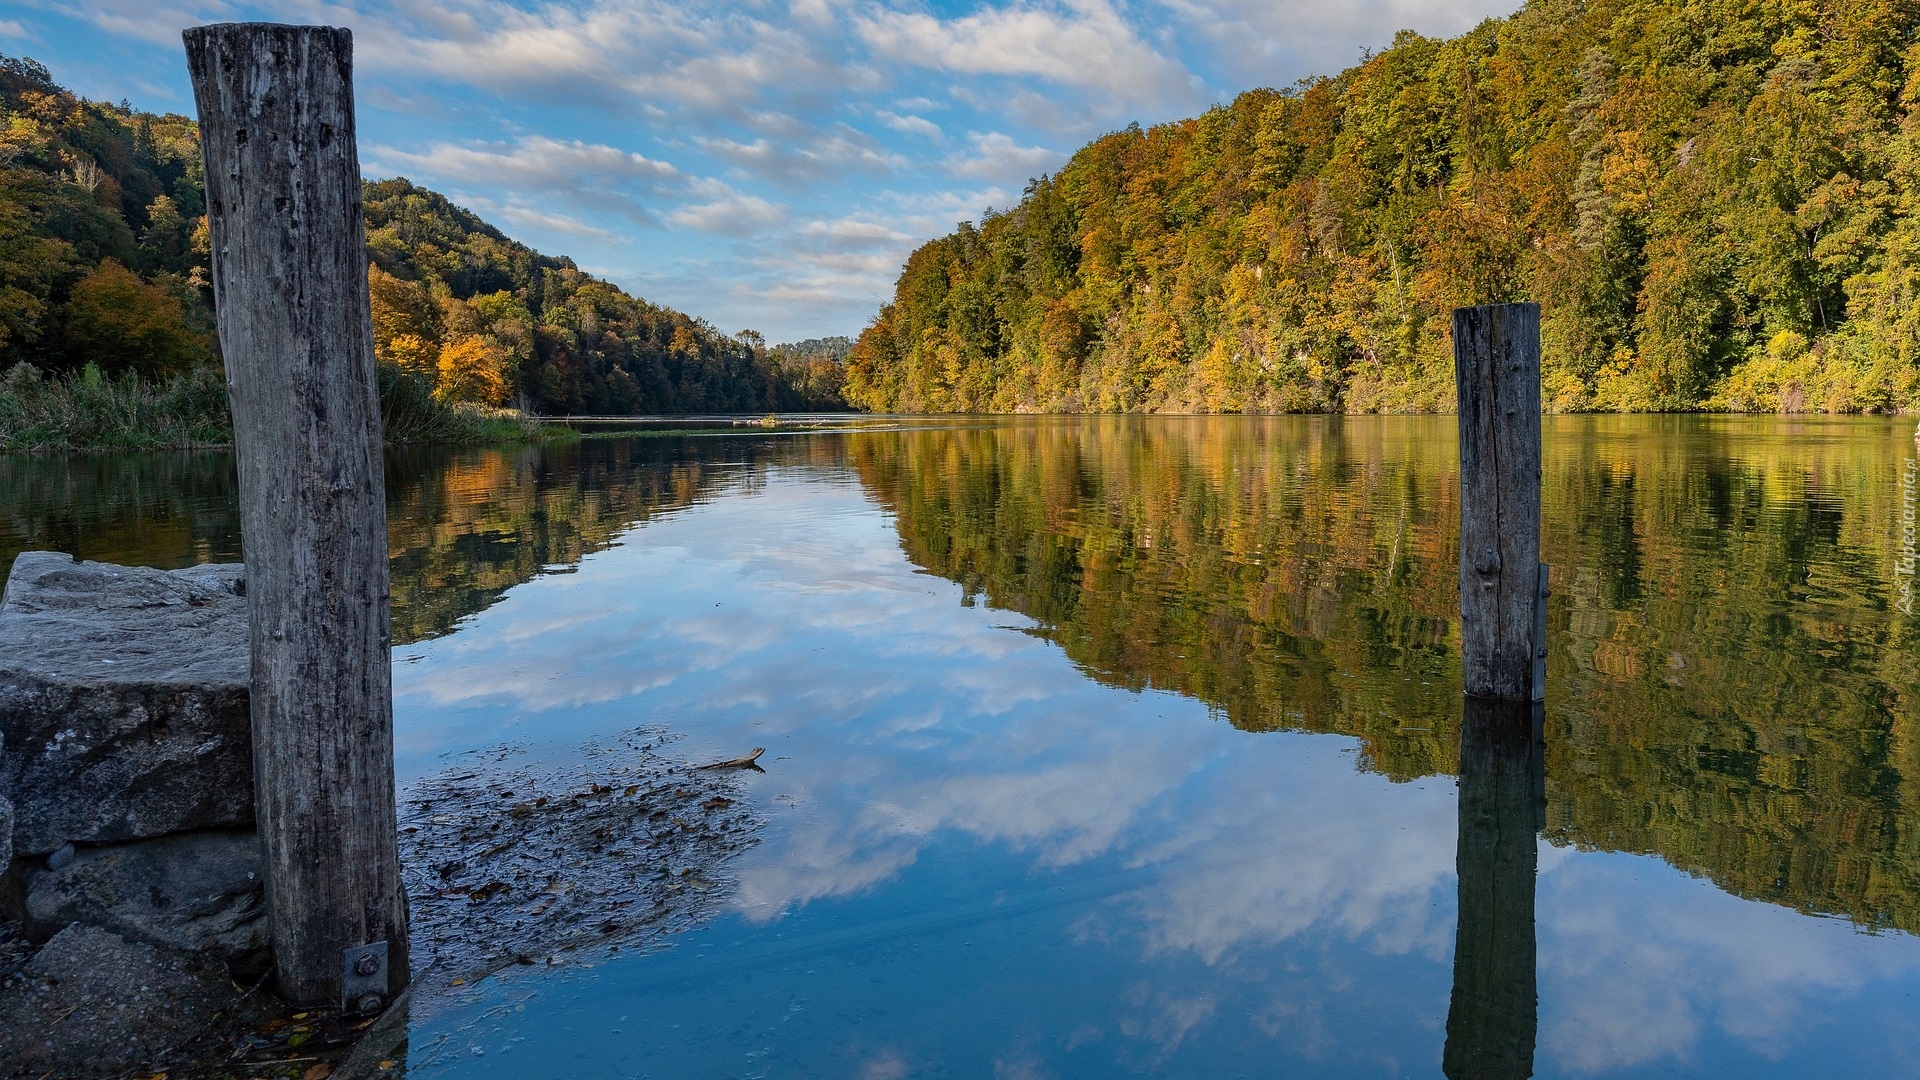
(122, 323)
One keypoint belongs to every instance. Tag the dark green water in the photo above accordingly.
(1129, 747)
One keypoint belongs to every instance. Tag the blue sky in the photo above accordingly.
(764, 164)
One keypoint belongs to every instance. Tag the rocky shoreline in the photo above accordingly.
(132, 918)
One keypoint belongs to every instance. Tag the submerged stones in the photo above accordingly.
(123, 701)
(617, 848)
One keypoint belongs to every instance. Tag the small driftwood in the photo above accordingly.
(748, 762)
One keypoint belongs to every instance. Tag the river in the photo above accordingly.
(1128, 746)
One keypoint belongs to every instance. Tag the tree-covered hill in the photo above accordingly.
(1714, 201)
(103, 261)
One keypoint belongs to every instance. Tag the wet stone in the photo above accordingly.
(123, 701)
(195, 892)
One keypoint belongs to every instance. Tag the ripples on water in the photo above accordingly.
(1127, 746)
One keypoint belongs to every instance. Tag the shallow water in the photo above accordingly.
(1104, 747)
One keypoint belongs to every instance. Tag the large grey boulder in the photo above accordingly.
(94, 1004)
(123, 701)
(195, 892)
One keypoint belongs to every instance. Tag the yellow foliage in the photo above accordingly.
(412, 352)
(470, 372)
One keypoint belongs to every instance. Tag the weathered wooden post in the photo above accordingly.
(1492, 1018)
(1496, 358)
(290, 284)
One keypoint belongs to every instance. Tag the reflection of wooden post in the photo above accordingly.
(1496, 351)
(1492, 1017)
(290, 283)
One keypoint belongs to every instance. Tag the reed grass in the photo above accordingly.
(86, 410)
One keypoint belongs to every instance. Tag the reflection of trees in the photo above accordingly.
(1494, 1011)
(464, 526)
(170, 510)
(1728, 690)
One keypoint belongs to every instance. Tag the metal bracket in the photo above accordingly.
(363, 978)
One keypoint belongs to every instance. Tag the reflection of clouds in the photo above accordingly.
(1163, 1020)
(1629, 978)
(1352, 852)
(901, 727)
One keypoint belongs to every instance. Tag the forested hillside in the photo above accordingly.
(103, 261)
(1714, 201)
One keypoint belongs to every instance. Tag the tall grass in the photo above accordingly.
(89, 411)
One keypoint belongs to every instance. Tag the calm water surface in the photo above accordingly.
(1129, 747)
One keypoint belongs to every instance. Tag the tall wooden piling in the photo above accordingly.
(290, 286)
(1496, 353)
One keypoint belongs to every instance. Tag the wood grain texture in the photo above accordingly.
(290, 285)
(1493, 1014)
(1496, 350)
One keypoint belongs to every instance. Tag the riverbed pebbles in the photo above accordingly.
(510, 864)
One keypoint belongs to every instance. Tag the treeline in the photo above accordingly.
(104, 262)
(1716, 203)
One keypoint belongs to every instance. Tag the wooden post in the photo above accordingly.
(290, 286)
(1494, 1012)
(1496, 356)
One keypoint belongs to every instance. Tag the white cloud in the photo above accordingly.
(1086, 45)
(909, 123)
(587, 176)
(552, 222)
(996, 156)
(798, 158)
(704, 57)
(735, 215)
(158, 23)
(535, 160)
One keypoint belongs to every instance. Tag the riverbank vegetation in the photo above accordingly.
(90, 410)
(1716, 203)
(104, 267)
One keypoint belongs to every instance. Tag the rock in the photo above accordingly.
(60, 857)
(123, 701)
(94, 1004)
(6, 823)
(195, 892)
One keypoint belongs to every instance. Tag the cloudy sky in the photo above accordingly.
(766, 164)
